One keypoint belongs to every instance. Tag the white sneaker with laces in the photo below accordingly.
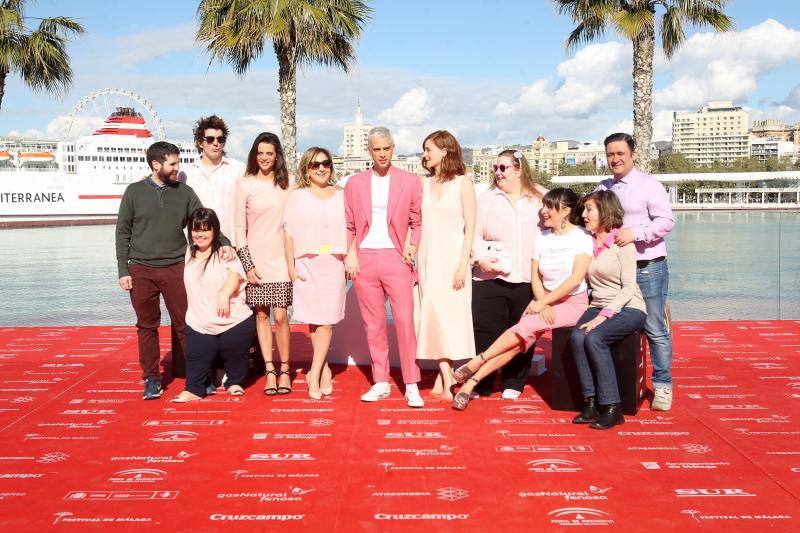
(511, 394)
(413, 397)
(378, 391)
(662, 400)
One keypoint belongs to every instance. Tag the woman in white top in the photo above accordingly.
(559, 262)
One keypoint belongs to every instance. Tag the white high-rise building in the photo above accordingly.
(717, 132)
(355, 136)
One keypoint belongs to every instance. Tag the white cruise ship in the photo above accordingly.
(48, 182)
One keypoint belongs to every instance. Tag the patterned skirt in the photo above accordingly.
(278, 294)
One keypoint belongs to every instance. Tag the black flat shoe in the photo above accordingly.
(589, 413)
(610, 416)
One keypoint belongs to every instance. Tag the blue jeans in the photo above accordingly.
(653, 281)
(592, 351)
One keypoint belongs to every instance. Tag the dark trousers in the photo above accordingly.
(232, 345)
(592, 351)
(149, 284)
(496, 306)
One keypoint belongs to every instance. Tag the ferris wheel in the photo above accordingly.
(99, 105)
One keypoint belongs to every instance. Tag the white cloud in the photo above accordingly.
(712, 66)
(413, 108)
(145, 46)
(586, 82)
(29, 133)
(80, 126)
(793, 99)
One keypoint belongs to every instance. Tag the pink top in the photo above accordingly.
(202, 287)
(648, 213)
(316, 226)
(514, 225)
(259, 225)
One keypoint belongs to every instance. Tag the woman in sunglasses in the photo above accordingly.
(316, 243)
(559, 262)
(508, 225)
(260, 199)
(444, 321)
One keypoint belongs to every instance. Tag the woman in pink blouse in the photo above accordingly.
(507, 227)
(260, 199)
(315, 234)
(218, 320)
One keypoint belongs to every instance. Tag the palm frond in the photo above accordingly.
(61, 26)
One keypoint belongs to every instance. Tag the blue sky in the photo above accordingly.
(492, 72)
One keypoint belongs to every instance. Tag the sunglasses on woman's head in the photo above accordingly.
(502, 168)
(314, 165)
(210, 139)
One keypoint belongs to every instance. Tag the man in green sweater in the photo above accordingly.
(151, 247)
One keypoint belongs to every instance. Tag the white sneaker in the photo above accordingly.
(376, 392)
(662, 400)
(413, 397)
(511, 394)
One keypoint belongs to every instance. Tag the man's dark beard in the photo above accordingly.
(167, 180)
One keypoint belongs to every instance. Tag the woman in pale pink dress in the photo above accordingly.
(444, 325)
(260, 199)
(315, 234)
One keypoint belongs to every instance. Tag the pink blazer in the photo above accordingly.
(403, 212)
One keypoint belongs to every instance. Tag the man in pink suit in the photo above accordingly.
(383, 212)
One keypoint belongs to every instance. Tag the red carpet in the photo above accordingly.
(80, 450)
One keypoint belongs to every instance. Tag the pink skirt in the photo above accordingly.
(320, 298)
(568, 311)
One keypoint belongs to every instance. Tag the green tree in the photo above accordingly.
(636, 20)
(38, 56)
(302, 32)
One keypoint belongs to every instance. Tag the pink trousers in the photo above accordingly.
(568, 311)
(383, 273)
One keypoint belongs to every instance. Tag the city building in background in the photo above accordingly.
(717, 132)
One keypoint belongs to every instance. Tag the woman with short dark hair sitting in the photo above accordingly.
(218, 320)
(615, 311)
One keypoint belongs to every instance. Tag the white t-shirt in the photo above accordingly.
(378, 234)
(556, 256)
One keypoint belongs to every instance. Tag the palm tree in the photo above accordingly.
(636, 20)
(38, 56)
(303, 32)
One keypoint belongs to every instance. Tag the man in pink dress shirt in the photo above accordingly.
(648, 219)
(383, 213)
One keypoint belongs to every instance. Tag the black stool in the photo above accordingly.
(629, 363)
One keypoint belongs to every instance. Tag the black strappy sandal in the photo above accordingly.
(285, 390)
(271, 391)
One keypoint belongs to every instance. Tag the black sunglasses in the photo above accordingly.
(501, 168)
(210, 139)
(314, 165)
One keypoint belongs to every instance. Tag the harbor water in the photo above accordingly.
(739, 265)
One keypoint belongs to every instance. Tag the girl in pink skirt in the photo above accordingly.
(316, 243)
(559, 262)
